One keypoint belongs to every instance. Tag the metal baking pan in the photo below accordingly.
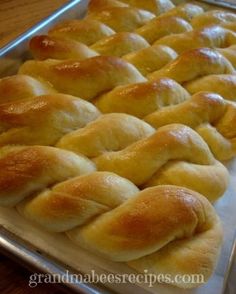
(221, 3)
(26, 244)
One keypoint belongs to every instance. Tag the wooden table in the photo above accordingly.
(15, 279)
(16, 16)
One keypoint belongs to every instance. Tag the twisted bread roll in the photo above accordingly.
(135, 49)
(44, 119)
(186, 11)
(150, 59)
(164, 102)
(128, 19)
(211, 37)
(204, 61)
(142, 98)
(229, 25)
(87, 78)
(87, 31)
(122, 19)
(161, 8)
(120, 44)
(153, 30)
(115, 220)
(44, 47)
(203, 108)
(209, 180)
(141, 160)
(146, 60)
(155, 6)
(229, 53)
(22, 87)
(213, 17)
(110, 132)
(77, 201)
(25, 170)
(57, 46)
(200, 108)
(162, 26)
(99, 5)
(152, 221)
(115, 15)
(222, 145)
(129, 225)
(195, 255)
(224, 85)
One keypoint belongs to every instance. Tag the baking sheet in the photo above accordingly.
(85, 262)
(16, 52)
(65, 251)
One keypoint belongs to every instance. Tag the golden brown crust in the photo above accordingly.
(140, 161)
(123, 19)
(110, 132)
(154, 230)
(211, 37)
(22, 87)
(229, 53)
(144, 228)
(213, 17)
(87, 31)
(44, 119)
(202, 109)
(142, 98)
(99, 5)
(77, 201)
(186, 11)
(184, 257)
(155, 6)
(224, 85)
(229, 25)
(208, 180)
(25, 170)
(145, 223)
(120, 44)
(150, 59)
(87, 78)
(165, 229)
(163, 26)
(203, 61)
(44, 47)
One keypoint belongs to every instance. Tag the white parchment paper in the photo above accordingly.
(61, 248)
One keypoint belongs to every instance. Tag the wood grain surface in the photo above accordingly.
(15, 280)
(16, 16)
